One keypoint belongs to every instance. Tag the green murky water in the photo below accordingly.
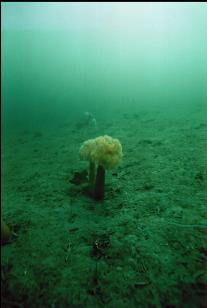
(76, 71)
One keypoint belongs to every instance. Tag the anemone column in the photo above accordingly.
(99, 183)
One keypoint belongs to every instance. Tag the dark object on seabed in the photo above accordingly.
(100, 246)
(79, 177)
(199, 176)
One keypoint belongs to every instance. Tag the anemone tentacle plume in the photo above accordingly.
(103, 150)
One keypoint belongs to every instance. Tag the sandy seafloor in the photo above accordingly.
(145, 245)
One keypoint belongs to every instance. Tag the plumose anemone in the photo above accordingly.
(103, 153)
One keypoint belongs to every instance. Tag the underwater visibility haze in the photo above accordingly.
(104, 154)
